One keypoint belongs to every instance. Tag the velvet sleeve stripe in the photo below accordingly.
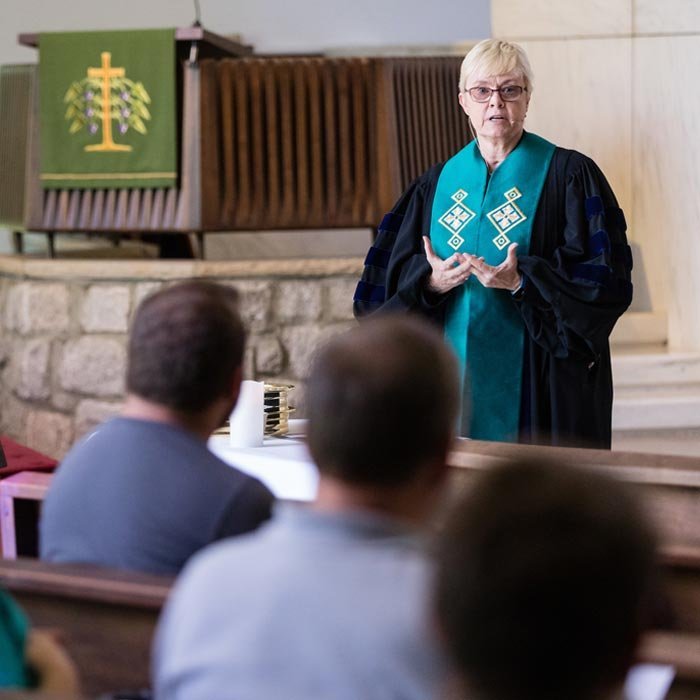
(598, 274)
(391, 222)
(594, 206)
(368, 292)
(375, 276)
(599, 243)
(376, 257)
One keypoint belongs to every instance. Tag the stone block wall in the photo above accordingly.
(65, 326)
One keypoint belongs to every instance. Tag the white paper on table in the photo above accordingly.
(648, 682)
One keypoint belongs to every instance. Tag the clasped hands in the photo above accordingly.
(459, 267)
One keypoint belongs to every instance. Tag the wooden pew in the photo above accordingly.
(681, 580)
(106, 618)
(668, 485)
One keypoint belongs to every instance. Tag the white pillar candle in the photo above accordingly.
(248, 417)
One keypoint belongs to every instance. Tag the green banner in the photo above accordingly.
(108, 109)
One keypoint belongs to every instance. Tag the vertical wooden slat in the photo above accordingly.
(316, 140)
(120, 212)
(73, 210)
(97, 210)
(359, 119)
(287, 213)
(403, 127)
(229, 126)
(169, 209)
(133, 210)
(369, 211)
(256, 144)
(330, 141)
(86, 206)
(61, 209)
(157, 210)
(242, 139)
(107, 223)
(388, 148)
(301, 140)
(212, 151)
(443, 110)
(146, 210)
(430, 124)
(345, 143)
(271, 165)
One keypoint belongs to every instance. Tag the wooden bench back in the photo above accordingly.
(106, 618)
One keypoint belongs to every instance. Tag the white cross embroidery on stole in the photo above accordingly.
(456, 218)
(506, 217)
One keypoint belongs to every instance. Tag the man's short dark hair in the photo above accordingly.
(186, 343)
(544, 577)
(382, 400)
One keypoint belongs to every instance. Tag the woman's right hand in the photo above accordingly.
(447, 274)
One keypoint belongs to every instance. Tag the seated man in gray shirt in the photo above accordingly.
(143, 492)
(329, 600)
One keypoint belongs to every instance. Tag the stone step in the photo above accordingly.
(656, 412)
(661, 441)
(655, 367)
(655, 390)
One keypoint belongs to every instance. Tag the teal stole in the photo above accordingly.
(481, 215)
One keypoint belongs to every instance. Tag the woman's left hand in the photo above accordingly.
(503, 276)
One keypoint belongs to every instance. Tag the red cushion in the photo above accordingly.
(21, 459)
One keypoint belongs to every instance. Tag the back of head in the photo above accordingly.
(185, 346)
(492, 57)
(544, 577)
(382, 400)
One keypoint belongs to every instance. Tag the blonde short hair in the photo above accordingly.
(495, 57)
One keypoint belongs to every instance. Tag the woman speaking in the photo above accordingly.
(517, 247)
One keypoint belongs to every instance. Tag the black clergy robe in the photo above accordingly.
(576, 285)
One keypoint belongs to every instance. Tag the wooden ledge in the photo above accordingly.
(637, 467)
(83, 582)
(136, 270)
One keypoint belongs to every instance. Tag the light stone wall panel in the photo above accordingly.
(556, 18)
(666, 178)
(670, 16)
(582, 100)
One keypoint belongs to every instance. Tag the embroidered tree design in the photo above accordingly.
(104, 96)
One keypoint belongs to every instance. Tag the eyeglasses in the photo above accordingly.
(509, 93)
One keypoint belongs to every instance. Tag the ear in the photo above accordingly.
(463, 102)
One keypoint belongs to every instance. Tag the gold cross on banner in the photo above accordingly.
(105, 73)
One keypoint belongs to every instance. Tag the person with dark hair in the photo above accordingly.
(331, 600)
(143, 492)
(544, 583)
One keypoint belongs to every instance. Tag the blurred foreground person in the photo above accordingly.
(545, 574)
(331, 600)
